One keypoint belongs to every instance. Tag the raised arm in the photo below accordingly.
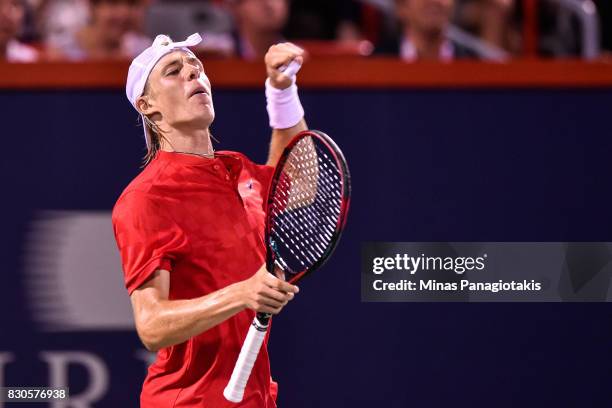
(162, 323)
(283, 104)
(280, 139)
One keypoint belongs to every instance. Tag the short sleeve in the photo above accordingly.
(147, 237)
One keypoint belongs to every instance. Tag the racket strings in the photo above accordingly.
(306, 205)
(305, 188)
(325, 190)
(309, 183)
(289, 229)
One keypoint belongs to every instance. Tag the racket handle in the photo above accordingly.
(234, 391)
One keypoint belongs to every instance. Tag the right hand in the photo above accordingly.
(277, 56)
(264, 292)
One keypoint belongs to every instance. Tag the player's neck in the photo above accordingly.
(195, 142)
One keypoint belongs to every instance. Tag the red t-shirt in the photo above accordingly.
(202, 220)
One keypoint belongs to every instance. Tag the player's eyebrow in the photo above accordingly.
(195, 60)
(170, 64)
(190, 60)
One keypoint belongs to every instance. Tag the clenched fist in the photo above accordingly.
(280, 55)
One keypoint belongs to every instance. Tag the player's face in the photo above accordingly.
(180, 91)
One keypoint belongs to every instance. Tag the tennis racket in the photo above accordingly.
(307, 206)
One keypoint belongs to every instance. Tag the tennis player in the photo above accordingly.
(190, 229)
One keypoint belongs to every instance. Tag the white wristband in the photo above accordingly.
(283, 105)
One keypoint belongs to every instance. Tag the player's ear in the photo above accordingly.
(145, 105)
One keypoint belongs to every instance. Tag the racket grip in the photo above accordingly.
(234, 391)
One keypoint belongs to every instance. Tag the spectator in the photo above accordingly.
(58, 22)
(259, 24)
(113, 31)
(325, 20)
(179, 19)
(12, 13)
(423, 32)
(492, 21)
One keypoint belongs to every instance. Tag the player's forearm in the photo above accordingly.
(170, 322)
(280, 138)
(285, 111)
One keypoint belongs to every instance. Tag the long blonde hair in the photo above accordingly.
(156, 135)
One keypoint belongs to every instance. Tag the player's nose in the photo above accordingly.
(193, 73)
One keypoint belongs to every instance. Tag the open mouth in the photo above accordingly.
(198, 91)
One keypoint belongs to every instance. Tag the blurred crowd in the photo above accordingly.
(34, 30)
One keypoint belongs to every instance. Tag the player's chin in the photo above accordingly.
(209, 113)
(205, 106)
(205, 114)
(201, 106)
